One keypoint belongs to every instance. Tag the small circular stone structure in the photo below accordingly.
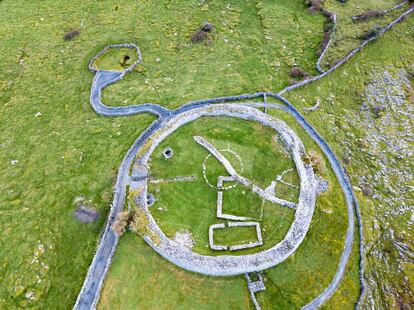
(150, 199)
(229, 265)
(168, 153)
(113, 46)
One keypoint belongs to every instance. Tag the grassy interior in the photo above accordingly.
(284, 283)
(116, 59)
(235, 235)
(192, 205)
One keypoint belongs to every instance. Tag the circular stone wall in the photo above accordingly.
(227, 265)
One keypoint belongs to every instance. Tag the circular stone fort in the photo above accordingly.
(227, 265)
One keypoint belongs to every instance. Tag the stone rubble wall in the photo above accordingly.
(231, 265)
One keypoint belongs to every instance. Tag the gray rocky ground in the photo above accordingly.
(387, 114)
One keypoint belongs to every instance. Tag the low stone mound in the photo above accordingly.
(185, 239)
(202, 33)
(86, 214)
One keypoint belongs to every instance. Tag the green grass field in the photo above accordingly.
(66, 152)
(255, 43)
(284, 283)
(54, 149)
(152, 283)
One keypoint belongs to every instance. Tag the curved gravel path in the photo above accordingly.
(89, 294)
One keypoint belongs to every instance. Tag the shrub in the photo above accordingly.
(207, 27)
(313, 159)
(377, 110)
(124, 62)
(122, 222)
(140, 224)
(367, 190)
(199, 36)
(315, 5)
(346, 157)
(326, 37)
(71, 34)
(297, 72)
(372, 33)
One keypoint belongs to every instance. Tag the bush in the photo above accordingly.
(122, 222)
(313, 159)
(346, 157)
(140, 224)
(377, 110)
(372, 33)
(367, 190)
(315, 5)
(297, 72)
(124, 62)
(199, 36)
(71, 34)
(326, 37)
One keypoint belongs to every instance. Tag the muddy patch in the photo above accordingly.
(86, 214)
